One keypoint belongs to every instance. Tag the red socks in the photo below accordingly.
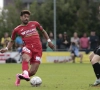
(25, 65)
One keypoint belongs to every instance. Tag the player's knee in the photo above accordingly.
(25, 58)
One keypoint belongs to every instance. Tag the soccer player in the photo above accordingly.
(32, 49)
(95, 61)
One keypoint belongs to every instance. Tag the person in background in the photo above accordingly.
(93, 40)
(60, 42)
(43, 40)
(5, 39)
(66, 41)
(48, 49)
(18, 43)
(74, 48)
(84, 43)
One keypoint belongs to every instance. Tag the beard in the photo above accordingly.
(25, 22)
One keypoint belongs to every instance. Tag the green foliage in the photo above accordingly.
(71, 15)
(10, 17)
(43, 14)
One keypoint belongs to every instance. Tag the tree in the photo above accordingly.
(9, 18)
(72, 15)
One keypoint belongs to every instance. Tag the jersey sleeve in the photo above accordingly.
(38, 25)
(13, 36)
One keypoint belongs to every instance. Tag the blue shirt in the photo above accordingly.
(18, 40)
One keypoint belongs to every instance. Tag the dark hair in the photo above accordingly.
(25, 12)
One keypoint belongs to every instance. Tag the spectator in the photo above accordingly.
(93, 40)
(18, 43)
(74, 48)
(44, 41)
(84, 43)
(60, 42)
(66, 41)
(5, 39)
(52, 40)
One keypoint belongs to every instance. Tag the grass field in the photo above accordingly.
(62, 76)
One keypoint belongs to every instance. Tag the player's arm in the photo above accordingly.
(45, 35)
(10, 44)
(48, 39)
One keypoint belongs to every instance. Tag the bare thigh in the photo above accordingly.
(91, 55)
(95, 59)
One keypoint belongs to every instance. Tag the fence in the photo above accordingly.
(47, 57)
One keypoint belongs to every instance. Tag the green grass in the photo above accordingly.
(62, 76)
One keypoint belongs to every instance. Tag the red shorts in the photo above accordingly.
(34, 52)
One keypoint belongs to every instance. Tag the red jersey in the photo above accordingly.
(28, 33)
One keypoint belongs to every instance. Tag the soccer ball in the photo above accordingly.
(36, 81)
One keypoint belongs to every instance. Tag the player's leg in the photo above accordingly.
(25, 67)
(33, 69)
(26, 56)
(96, 66)
(35, 62)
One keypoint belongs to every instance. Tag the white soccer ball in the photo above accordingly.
(36, 81)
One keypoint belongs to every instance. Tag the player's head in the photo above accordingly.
(25, 16)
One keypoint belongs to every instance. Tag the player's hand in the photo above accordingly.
(3, 50)
(51, 45)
